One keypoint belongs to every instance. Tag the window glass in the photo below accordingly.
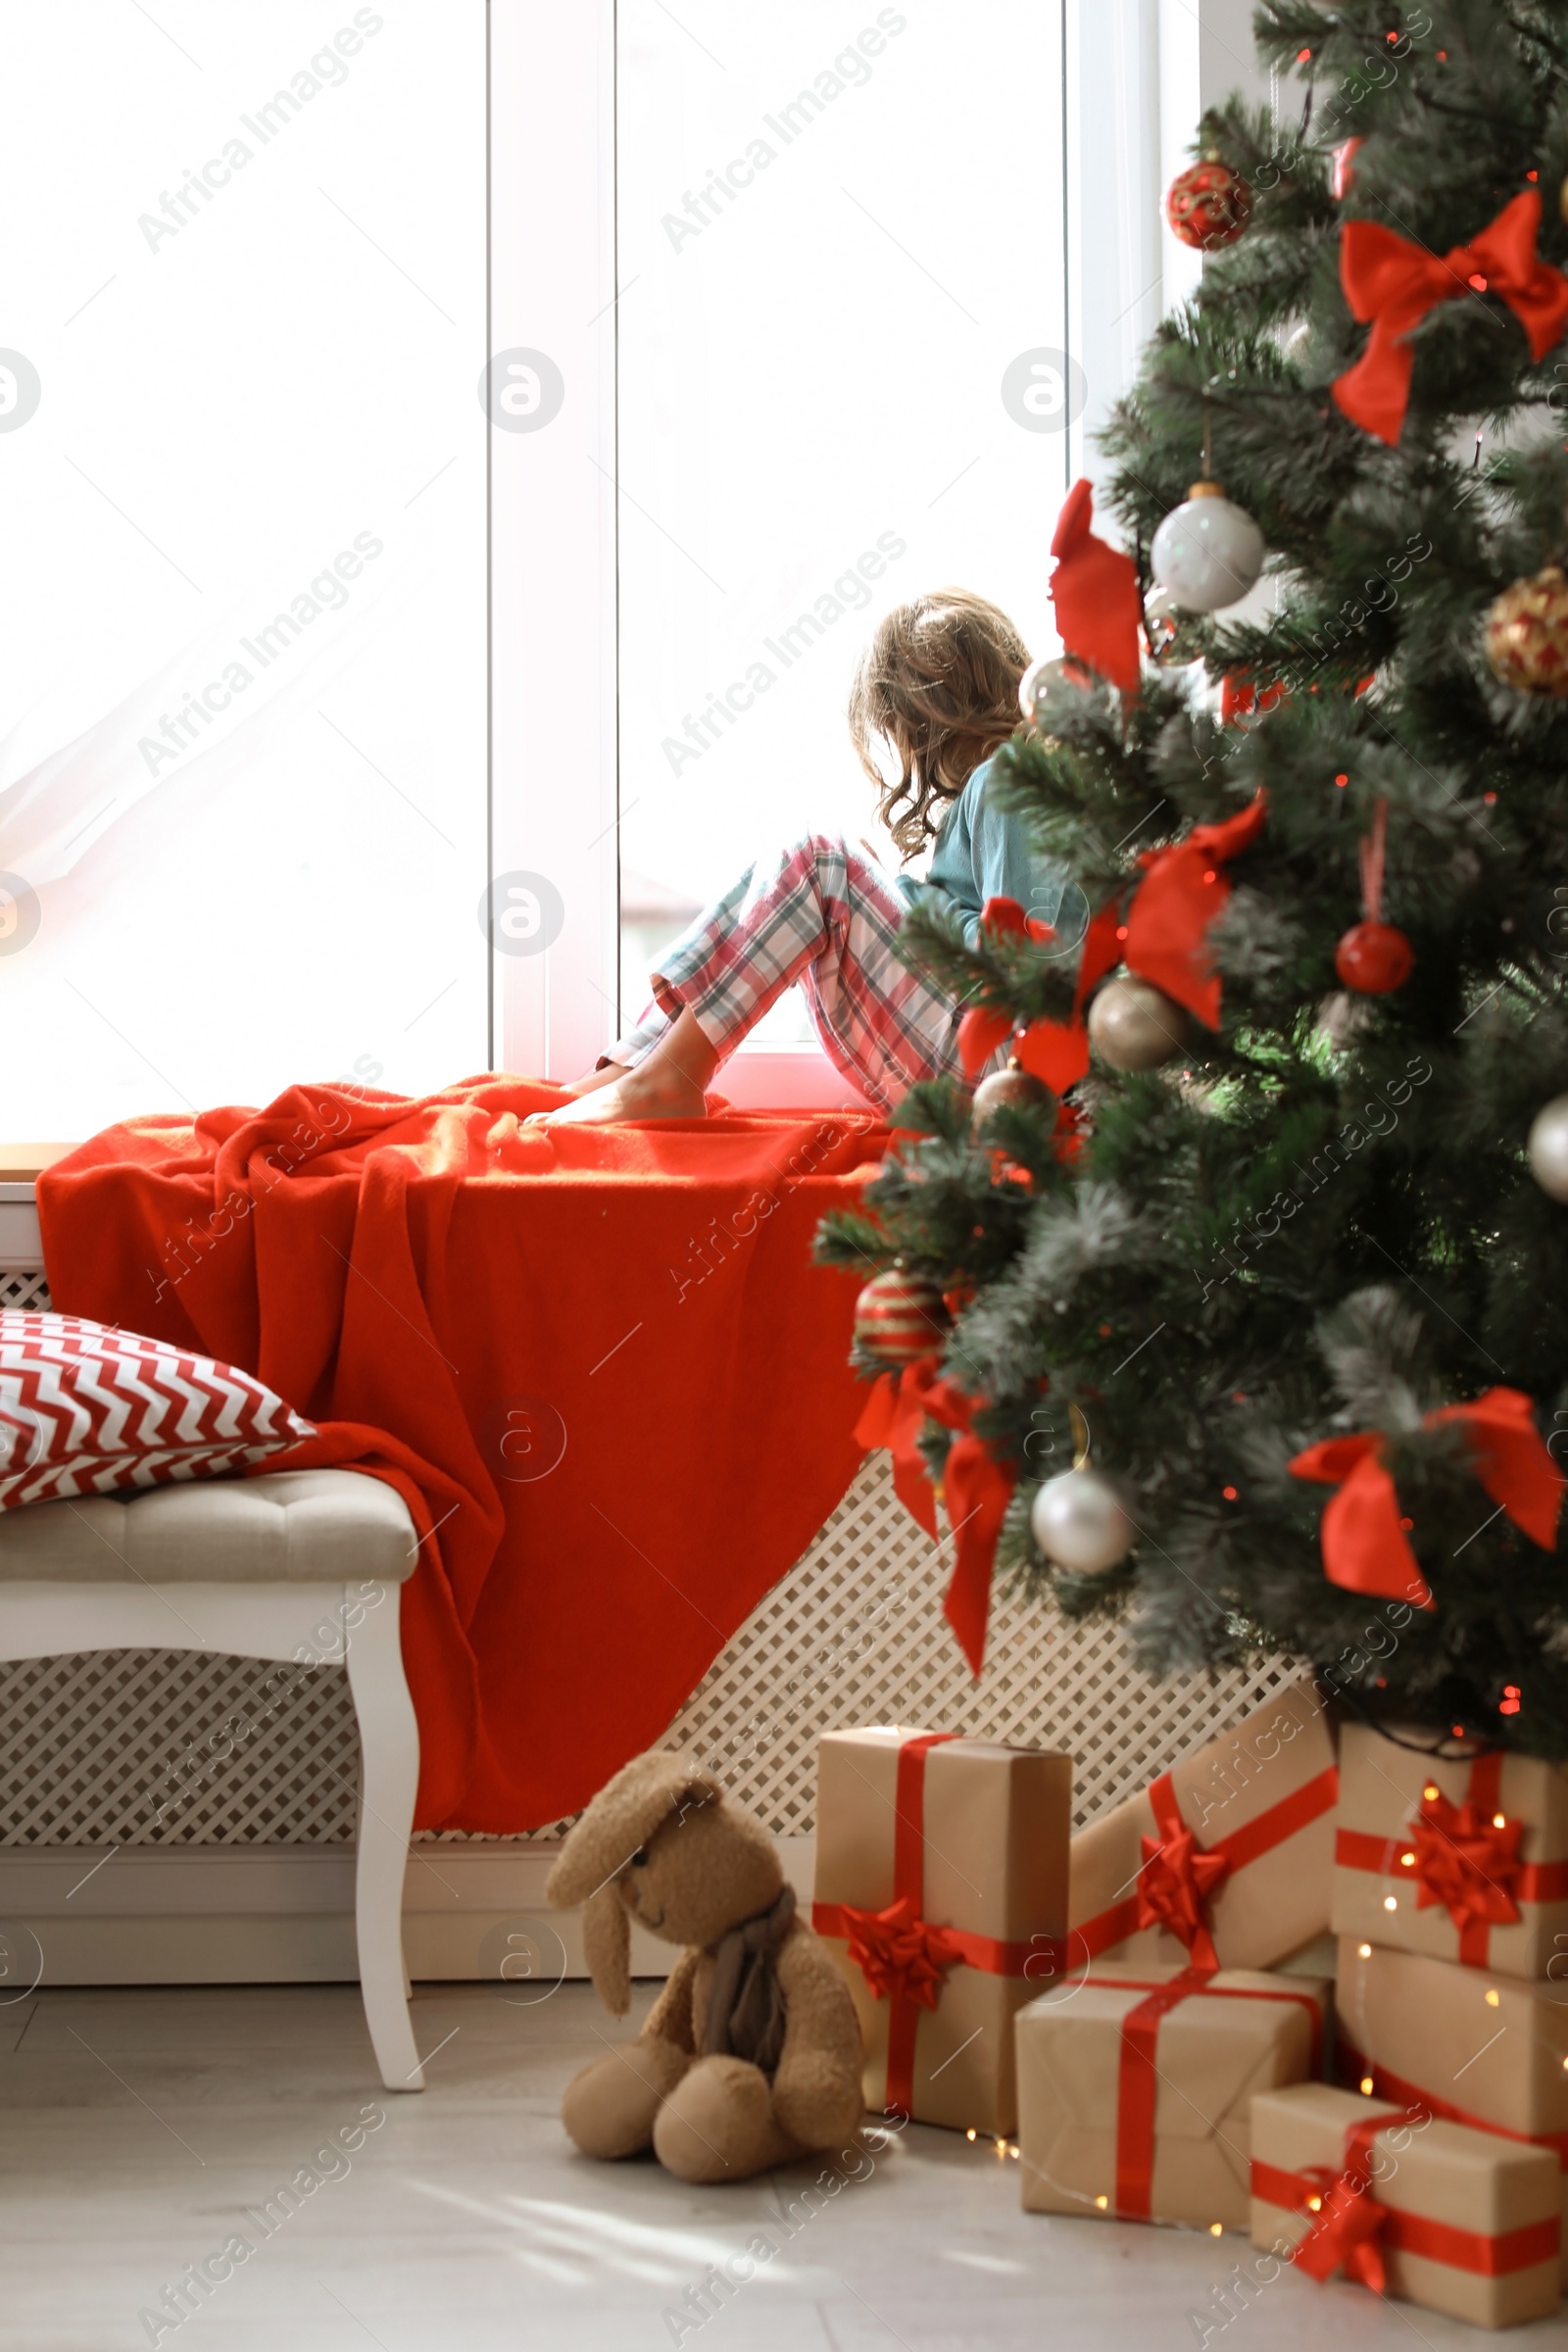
(242, 482)
(841, 382)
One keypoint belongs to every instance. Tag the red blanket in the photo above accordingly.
(598, 1364)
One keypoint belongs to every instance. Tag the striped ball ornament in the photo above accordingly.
(899, 1316)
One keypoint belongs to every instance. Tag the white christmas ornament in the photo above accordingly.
(1207, 553)
(1079, 1522)
(1549, 1149)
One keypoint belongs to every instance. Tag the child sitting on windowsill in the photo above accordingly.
(938, 686)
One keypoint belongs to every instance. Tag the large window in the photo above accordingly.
(842, 380)
(242, 495)
(452, 452)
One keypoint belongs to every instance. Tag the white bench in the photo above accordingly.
(256, 1567)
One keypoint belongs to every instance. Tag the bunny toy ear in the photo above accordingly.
(622, 1817)
(606, 1947)
(619, 1822)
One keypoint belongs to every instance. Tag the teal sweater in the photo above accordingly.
(982, 852)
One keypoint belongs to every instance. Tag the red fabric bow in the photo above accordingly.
(1177, 1881)
(1007, 918)
(1394, 282)
(1345, 2234)
(1240, 695)
(1178, 1878)
(975, 1486)
(1094, 590)
(902, 1957)
(976, 1489)
(1057, 1051)
(1466, 1863)
(984, 1028)
(1364, 1547)
(1183, 890)
(893, 1417)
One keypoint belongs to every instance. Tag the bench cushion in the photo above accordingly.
(282, 1527)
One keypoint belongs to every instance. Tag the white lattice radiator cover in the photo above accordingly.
(115, 1747)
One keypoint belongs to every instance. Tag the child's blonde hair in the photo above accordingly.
(939, 682)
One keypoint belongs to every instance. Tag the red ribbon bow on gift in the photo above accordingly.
(902, 1957)
(1364, 1547)
(975, 1486)
(1394, 282)
(1176, 1882)
(1346, 2231)
(1094, 591)
(1178, 1878)
(1466, 1863)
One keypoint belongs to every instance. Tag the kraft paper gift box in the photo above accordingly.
(1467, 1860)
(1409, 2205)
(1227, 1857)
(1134, 2087)
(1476, 2047)
(942, 1890)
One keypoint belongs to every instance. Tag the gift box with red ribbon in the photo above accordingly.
(942, 1890)
(1474, 2046)
(1226, 1859)
(1465, 1859)
(1405, 2203)
(1134, 2087)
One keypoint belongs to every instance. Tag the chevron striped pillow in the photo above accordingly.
(87, 1411)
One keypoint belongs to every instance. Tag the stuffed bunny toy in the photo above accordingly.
(750, 2055)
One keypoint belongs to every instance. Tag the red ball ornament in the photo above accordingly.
(1373, 958)
(900, 1316)
(1209, 205)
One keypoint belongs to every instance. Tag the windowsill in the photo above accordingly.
(20, 1163)
(787, 1078)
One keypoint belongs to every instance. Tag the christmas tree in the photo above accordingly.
(1257, 1306)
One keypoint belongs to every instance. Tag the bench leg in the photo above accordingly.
(389, 1764)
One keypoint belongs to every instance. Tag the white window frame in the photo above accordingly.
(1136, 75)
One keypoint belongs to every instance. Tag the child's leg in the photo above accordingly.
(822, 914)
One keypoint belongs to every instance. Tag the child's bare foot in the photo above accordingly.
(667, 1085)
(664, 1093)
(606, 1075)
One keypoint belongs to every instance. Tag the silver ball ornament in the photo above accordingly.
(1162, 621)
(1209, 552)
(1044, 678)
(1132, 1025)
(1011, 1088)
(1548, 1148)
(1079, 1522)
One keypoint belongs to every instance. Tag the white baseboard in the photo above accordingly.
(20, 1240)
(284, 1914)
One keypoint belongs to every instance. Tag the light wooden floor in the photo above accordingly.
(142, 2127)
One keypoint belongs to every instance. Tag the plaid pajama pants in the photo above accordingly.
(823, 914)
